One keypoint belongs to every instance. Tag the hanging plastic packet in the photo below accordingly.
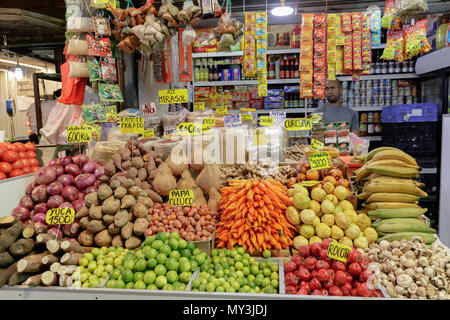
(412, 6)
(109, 92)
(78, 67)
(109, 72)
(94, 113)
(77, 46)
(394, 46)
(356, 21)
(346, 22)
(99, 48)
(391, 18)
(416, 41)
(94, 70)
(101, 26)
(111, 113)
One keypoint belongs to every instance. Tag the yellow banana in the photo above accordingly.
(394, 187)
(395, 155)
(392, 197)
(377, 178)
(394, 171)
(362, 174)
(390, 162)
(374, 152)
(389, 205)
(364, 196)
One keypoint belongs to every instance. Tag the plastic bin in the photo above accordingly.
(411, 137)
(417, 112)
(350, 165)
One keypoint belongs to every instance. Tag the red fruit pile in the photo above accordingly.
(311, 272)
(17, 159)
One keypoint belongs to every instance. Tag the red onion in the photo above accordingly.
(96, 183)
(45, 175)
(22, 213)
(69, 193)
(80, 196)
(84, 180)
(80, 159)
(54, 162)
(39, 194)
(65, 179)
(40, 227)
(55, 232)
(65, 161)
(55, 201)
(72, 169)
(71, 230)
(41, 208)
(89, 167)
(65, 205)
(78, 204)
(27, 202)
(39, 217)
(31, 213)
(100, 171)
(90, 189)
(54, 188)
(59, 170)
(30, 187)
(73, 239)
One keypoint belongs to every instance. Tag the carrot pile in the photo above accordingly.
(253, 216)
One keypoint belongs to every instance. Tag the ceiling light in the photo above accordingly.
(22, 64)
(282, 10)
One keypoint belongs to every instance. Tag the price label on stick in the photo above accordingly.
(338, 251)
(199, 106)
(78, 134)
(150, 133)
(319, 160)
(181, 198)
(134, 125)
(265, 121)
(60, 216)
(316, 145)
(173, 96)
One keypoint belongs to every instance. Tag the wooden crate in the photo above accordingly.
(205, 246)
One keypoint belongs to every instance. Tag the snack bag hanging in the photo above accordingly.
(394, 46)
(391, 18)
(416, 41)
(412, 6)
(100, 48)
(346, 18)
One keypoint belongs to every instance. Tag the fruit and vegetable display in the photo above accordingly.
(390, 195)
(17, 159)
(236, 271)
(311, 272)
(253, 216)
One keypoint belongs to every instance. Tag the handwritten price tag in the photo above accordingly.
(298, 124)
(233, 120)
(247, 110)
(319, 160)
(338, 251)
(78, 134)
(265, 121)
(132, 125)
(199, 106)
(150, 133)
(260, 137)
(222, 110)
(60, 216)
(181, 198)
(316, 145)
(246, 117)
(189, 128)
(173, 96)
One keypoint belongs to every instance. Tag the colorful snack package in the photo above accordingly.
(375, 20)
(320, 20)
(339, 60)
(306, 78)
(394, 46)
(109, 92)
(93, 113)
(320, 79)
(307, 20)
(320, 34)
(331, 55)
(94, 69)
(391, 18)
(102, 27)
(306, 50)
(305, 65)
(346, 18)
(319, 65)
(376, 38)
(331, 71)
(306, 34)
(111, 113)
(357, 60)
(416, 41)
(331, 32)
(100, 48)
(365, 21)
(306, 92)
(319, 50)
(356, 21)
(109, 72)
(332, 20)
(319, 92)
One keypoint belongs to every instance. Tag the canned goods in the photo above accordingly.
(362, 129)
(401, 92)
(370, 128)
(409, 100)
(408, 91)
(370, 117)
(376, 117)
(377, 128)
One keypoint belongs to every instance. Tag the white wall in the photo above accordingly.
(148, 92)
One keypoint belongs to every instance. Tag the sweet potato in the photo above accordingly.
(164, 181)
(103, 239)
(137, 162)
(104, 192)
(140, 211)
(83, 212)
(125, 153)
(95, 226)
(91, 199)
(120, 192)
(110, 169)
(152, 174)
(175, 167)
(84, 222)
(111, 205)
(214, 200)
(127, 230)
(131, 173)
(113, 229)
(137, 182)
(128, 183)
(132, 243)
(142, 174)
(145, 185)
(95, 212)
(21, 247)
(140, 225)
(5, 259)
(114, 184)
(150, 163)
(208, 178)
(146, 201)
(127, 201)
(86, 238)
(108, 219)
(121, 218)
(136, 152)
(126, 165)
(117, 160)
(154, 196)
(117, 241)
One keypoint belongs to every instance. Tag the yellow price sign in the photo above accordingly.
(78, 134)
(150, 133)
(338, 251)
(133, 125)
(265, 121)
(319, 160)
(298, 124)
(189, 128)
(173, 96)
(199, 106)
(222, 110)
(209, 122)
(246, 117)
(307, 183)
(317, 145)
(260, 137)
(60, 216)
(181, 198)
(316, 118)
(247, 110)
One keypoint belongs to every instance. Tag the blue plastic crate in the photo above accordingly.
(417, 112)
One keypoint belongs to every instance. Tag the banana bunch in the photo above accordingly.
(391, 195)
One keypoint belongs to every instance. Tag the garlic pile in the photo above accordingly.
(410, 269)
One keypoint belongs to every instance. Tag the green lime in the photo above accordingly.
(168, 287)
(274, 268)
(257, 289)
(129, 285)
(220, 289)
(245, 262)
(109, 260)
(239, 265)
(202, 287)
(210, 287)
(182, 244)
(274, 276)
(219, 273)
(258, 281)
(204, 267)
(140, 285)
(184, 266)
(115, 274)
(267, 254)
(149, 277)
(165, 249)
(239, 274)
(174, 235)
(94, 283)
(214, 252)
(172, 264)
(141, 265)
(252, 284)
(175, 254)
(265, 282)
(161, 281)
(178, 286)
(152, 287)
(161, 236)
(262, 265)
(152, 263)
(274, 283)
(172, 276)
(148, 241)
(186, 253)
(118, 262)
(127, 275)
(190, 246)
(194, 266)
(246, 271)
(200, 258)
(173, 243)
(240, 250)
(160, 270)
(235, 285)
(129, 264)
(138, 276)
(120, 284)
(185, 277)
(83, 261)
(231, 289)
(196, 283)
(267, 272)
(92, 266)
(111, 284)
(157, 244)
(161, 258)
(95, 252)
(150, 253)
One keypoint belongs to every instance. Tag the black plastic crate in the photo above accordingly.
(428, 160)
(431, 182)
(411, 137)
(432, 205)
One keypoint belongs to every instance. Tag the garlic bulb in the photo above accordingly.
(404, 280)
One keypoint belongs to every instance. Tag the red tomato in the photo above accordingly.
(30, 154)
(30, 146)
(34, 162)
(16, 173)
(25, 163)
(1, 152)
(3, 176)
(20, 146)
(10, 156)
(22, 155)
(27, 170)
(5, 167)
(13, 147)
(33, 169)
(18, 164)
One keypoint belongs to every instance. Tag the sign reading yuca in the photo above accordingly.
(133, 125)
(181, 198)
(319, 160)
(316, 145)
(298, 124)
(150, 133)
(338, 251)
(60, 216)
(173, 96)
(78, 134)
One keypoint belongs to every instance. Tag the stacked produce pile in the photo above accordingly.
(333, 175)
(236, 271)
(411, 269)
(296, 152)
(163, 262)
(389, 193)
(323, 212)
(253, 216)
(312, 272)
(17, 159)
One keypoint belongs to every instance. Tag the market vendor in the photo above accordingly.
(334, 111)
